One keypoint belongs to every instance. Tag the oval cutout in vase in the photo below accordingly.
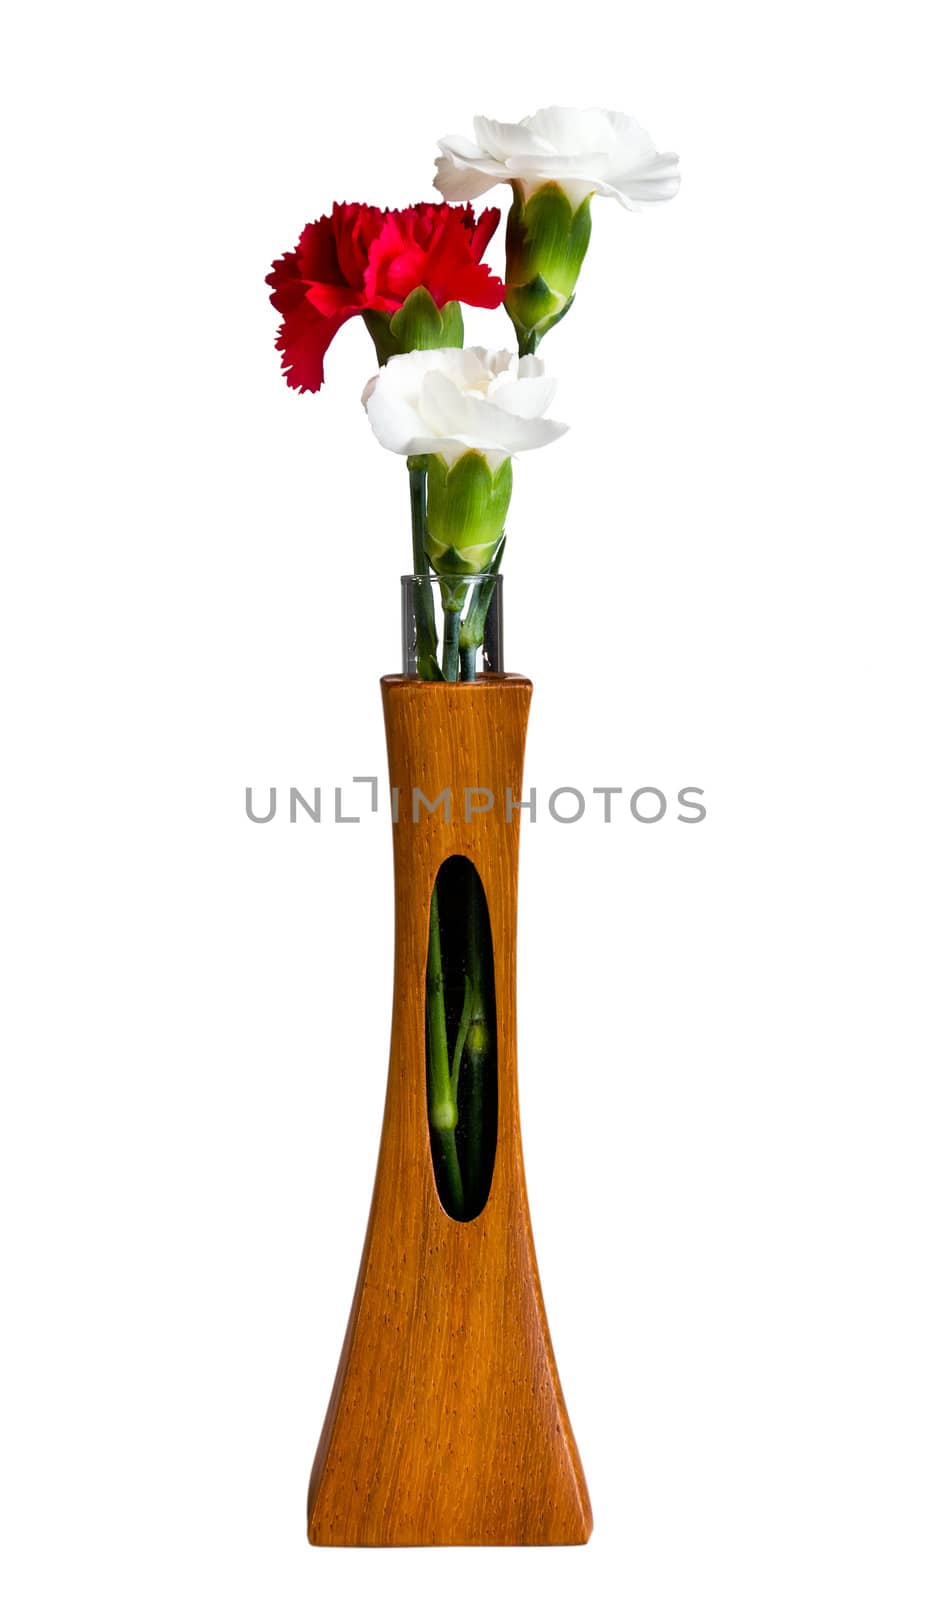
(461, 1040)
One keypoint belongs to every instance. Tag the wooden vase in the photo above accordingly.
(447, 1424)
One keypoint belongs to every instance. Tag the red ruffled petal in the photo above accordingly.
(438, 247)
(453, 273)
(287, 285)
(360, 258)
(395, 264)
(483, 230)
(329, 298)
(303, 339)
(355, 228)
(317, 253)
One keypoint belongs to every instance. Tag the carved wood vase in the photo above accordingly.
(447, 1424)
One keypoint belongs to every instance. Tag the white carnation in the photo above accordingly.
(585, 152)
(444, 402)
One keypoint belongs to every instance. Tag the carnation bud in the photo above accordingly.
(419, 324)
(465, 513)
(547, 237)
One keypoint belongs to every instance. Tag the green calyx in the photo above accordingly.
(547, 238)
(417, 325)
(466, 511)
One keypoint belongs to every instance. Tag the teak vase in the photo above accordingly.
(447, 1423)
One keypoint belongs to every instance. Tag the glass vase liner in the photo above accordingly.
(447, 1424)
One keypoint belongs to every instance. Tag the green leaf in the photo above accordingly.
(451, 563)
(534, 304)
(420, 325)
(453, 326)
(466, 511)
(377, 324)
(548, 239)
(534, 311)
(548, 222)
(417, 325)
(502, 480)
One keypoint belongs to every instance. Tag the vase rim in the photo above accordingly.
(450, 577)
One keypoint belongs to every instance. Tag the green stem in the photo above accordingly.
(450, 631)
(477, 1046)
(461, 1036)
(448, 1150)
(443, 1106)
(427, 639)
(472, 632)
(443, 1110)
(417, 507)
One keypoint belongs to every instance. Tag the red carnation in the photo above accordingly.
(363, 259)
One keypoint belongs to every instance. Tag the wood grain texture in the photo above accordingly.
(447, 1423)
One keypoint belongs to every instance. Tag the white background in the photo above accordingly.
(725, 575)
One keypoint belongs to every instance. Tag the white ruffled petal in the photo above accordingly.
(571, 131)
(456, 181)
(466, 416)
(446, 401)
(542, 430)
(584, 150)
(442, 406)
(648, 186)
(503, 139)
(455, 144)
(633, 142)
(528, 397)
(394, 421)
(587, 165)
(432, 445)
(476, 367)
